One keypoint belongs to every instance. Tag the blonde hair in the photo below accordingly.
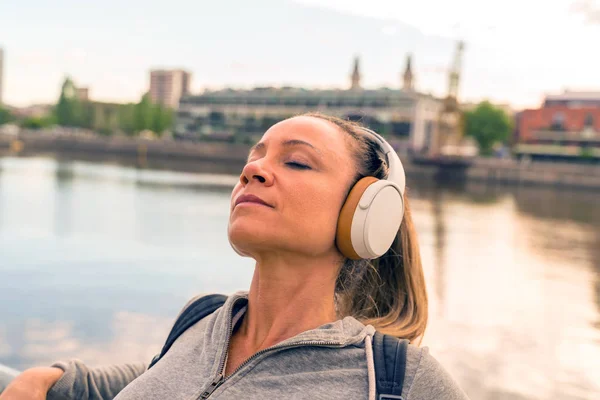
(388, 292)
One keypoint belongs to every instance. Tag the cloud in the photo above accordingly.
(389, 30)
(590, 9)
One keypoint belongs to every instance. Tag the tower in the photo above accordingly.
(408, 77)
(355, 77)
(454, 77)
(450, 123)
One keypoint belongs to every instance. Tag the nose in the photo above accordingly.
(257, 171)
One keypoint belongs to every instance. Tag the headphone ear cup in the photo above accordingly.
(343, 237)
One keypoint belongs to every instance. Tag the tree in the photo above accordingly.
(5, 116)
(126, 118)
(487, 125)
(162, 119)
(143, 114)
(37, 122)
(68, 110)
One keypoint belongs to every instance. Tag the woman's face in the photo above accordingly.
(301, 170)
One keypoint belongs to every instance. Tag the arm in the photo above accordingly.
(31, 384)
(102, 383)
(74, 380)
(432, 381)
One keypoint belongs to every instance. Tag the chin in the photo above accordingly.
(247, 233)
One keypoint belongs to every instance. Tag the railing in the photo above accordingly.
(585, 136)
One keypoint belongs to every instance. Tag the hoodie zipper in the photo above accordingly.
(221, 379)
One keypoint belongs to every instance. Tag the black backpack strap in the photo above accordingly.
(389, 354)
(199, 309)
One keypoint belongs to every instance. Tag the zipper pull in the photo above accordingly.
(213, 386)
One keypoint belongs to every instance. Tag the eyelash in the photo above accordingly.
(297, 165)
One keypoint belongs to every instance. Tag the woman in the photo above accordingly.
(315, 295)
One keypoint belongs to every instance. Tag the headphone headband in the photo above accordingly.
(396, 170)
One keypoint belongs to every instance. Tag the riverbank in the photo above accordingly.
(230, 158)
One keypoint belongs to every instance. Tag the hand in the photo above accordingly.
(32, 384)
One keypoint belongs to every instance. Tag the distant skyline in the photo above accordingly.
(516, 50)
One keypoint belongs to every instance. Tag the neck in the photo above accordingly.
(288, 296)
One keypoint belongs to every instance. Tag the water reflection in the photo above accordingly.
(97, 260)
(513, 289)
(63, 178)
(439, 244)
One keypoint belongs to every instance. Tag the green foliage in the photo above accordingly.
(162, 119)
(69, 111)
(109, 118)
(143, 114)
(126, 116)
(487, 125)
(37, 122)
(586, 153)
(5, 116)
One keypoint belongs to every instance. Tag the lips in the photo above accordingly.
(250, 198)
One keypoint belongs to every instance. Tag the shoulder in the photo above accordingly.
(426, 378)
(195, 299)
(190, 302)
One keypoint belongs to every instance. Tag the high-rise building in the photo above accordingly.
(1, 73)
(168, 86)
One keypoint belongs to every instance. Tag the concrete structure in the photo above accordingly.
(1, 75)
(567, 126)
(450, 138)
(229, 158)
(407, 118)
(168, 86)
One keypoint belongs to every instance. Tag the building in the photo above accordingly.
(82, 93)
(566, 127)
(168, 86)
(407, 118)
(33, 111)
(1, 75)
(573, 99)
(450, 139)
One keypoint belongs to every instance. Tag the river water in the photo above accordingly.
(97, 259)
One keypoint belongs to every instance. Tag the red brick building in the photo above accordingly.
(554, 122)
(560, 129)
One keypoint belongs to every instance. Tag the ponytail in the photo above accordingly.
(388, 292)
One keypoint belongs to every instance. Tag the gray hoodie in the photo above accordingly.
(333, 361)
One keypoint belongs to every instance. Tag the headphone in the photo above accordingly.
(373, 211)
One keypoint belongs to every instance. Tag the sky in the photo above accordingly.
(516, 50)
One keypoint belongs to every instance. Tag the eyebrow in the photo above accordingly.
(287, 143)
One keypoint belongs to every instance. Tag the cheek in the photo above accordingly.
(318, 205)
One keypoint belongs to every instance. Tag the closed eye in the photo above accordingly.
(297, 165)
